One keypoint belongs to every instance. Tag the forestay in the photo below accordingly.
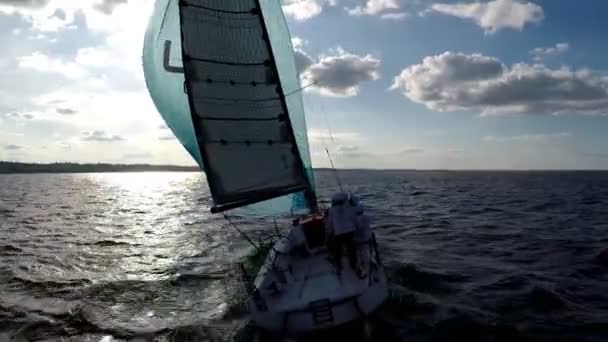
(237, 64)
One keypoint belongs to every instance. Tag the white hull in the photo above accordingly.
(300, 293)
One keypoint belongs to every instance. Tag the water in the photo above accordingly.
(483, 256)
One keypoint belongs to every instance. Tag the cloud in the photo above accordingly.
(166, 137)
(317, 136)
(43, 63)
(494, 15)
(18, 116)
(539, 53)
(341, 73)
(25, 3)
(66, 111)
(303, 60)
(141, 155)
(395, 16)
(374, 7)
(412, 150)
(100, 136)
(540, 137)
(305, 9)
(107, 6)
(457, 81)
(596, 155)
(42, 16)
(351, 151)
(12, 147)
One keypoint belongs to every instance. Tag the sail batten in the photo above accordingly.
(239, 112)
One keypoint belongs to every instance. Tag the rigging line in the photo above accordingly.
(243, 235)
(300, 89)
(333, 167)
(331, 137)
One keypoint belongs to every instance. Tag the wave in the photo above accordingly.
(416, 278)
(10, 249)
(109, 243)
(544, 300)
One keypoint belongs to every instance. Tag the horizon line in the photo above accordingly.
(314, 168)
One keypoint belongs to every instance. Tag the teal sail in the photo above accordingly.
(164, 74)
(222, 74)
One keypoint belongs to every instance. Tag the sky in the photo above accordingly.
(424, 84)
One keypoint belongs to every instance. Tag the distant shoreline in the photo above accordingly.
(12, 168)
(30, 168)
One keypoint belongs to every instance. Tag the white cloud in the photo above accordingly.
(59, 15)
(100, 136)
(539, 53)
(374, 7)
(108, 6)
(318, 136)
(298, 42)
(66, 111)
(24, 3)
(457, 81)
(412, 150)
(539, 137)
(43, 63)
(305, 9)
(494, 15)
(16, 116)
(395, 16)
(340, 73)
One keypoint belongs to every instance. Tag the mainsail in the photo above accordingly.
(222, 74)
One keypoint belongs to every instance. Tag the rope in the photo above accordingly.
(300, 89)
(243, 235)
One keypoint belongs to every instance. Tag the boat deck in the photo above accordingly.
(310, 278)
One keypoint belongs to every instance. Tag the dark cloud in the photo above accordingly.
(13, 147)
(303, 60)
(100, 136)
(456, 81)
(59, 13)
(66, 111)
(108, 6)
(25, 3)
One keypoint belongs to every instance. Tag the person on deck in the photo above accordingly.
(341, 223)
(363, 236)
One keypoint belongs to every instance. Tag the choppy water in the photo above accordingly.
(483, 256)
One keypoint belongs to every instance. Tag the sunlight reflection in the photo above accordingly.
(161, 216)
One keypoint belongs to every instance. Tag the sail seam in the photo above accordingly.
(216, 118)
(186, 4)
(215, 61)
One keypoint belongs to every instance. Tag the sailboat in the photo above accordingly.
(222, 75)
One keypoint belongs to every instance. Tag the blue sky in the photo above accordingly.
(499, 84)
